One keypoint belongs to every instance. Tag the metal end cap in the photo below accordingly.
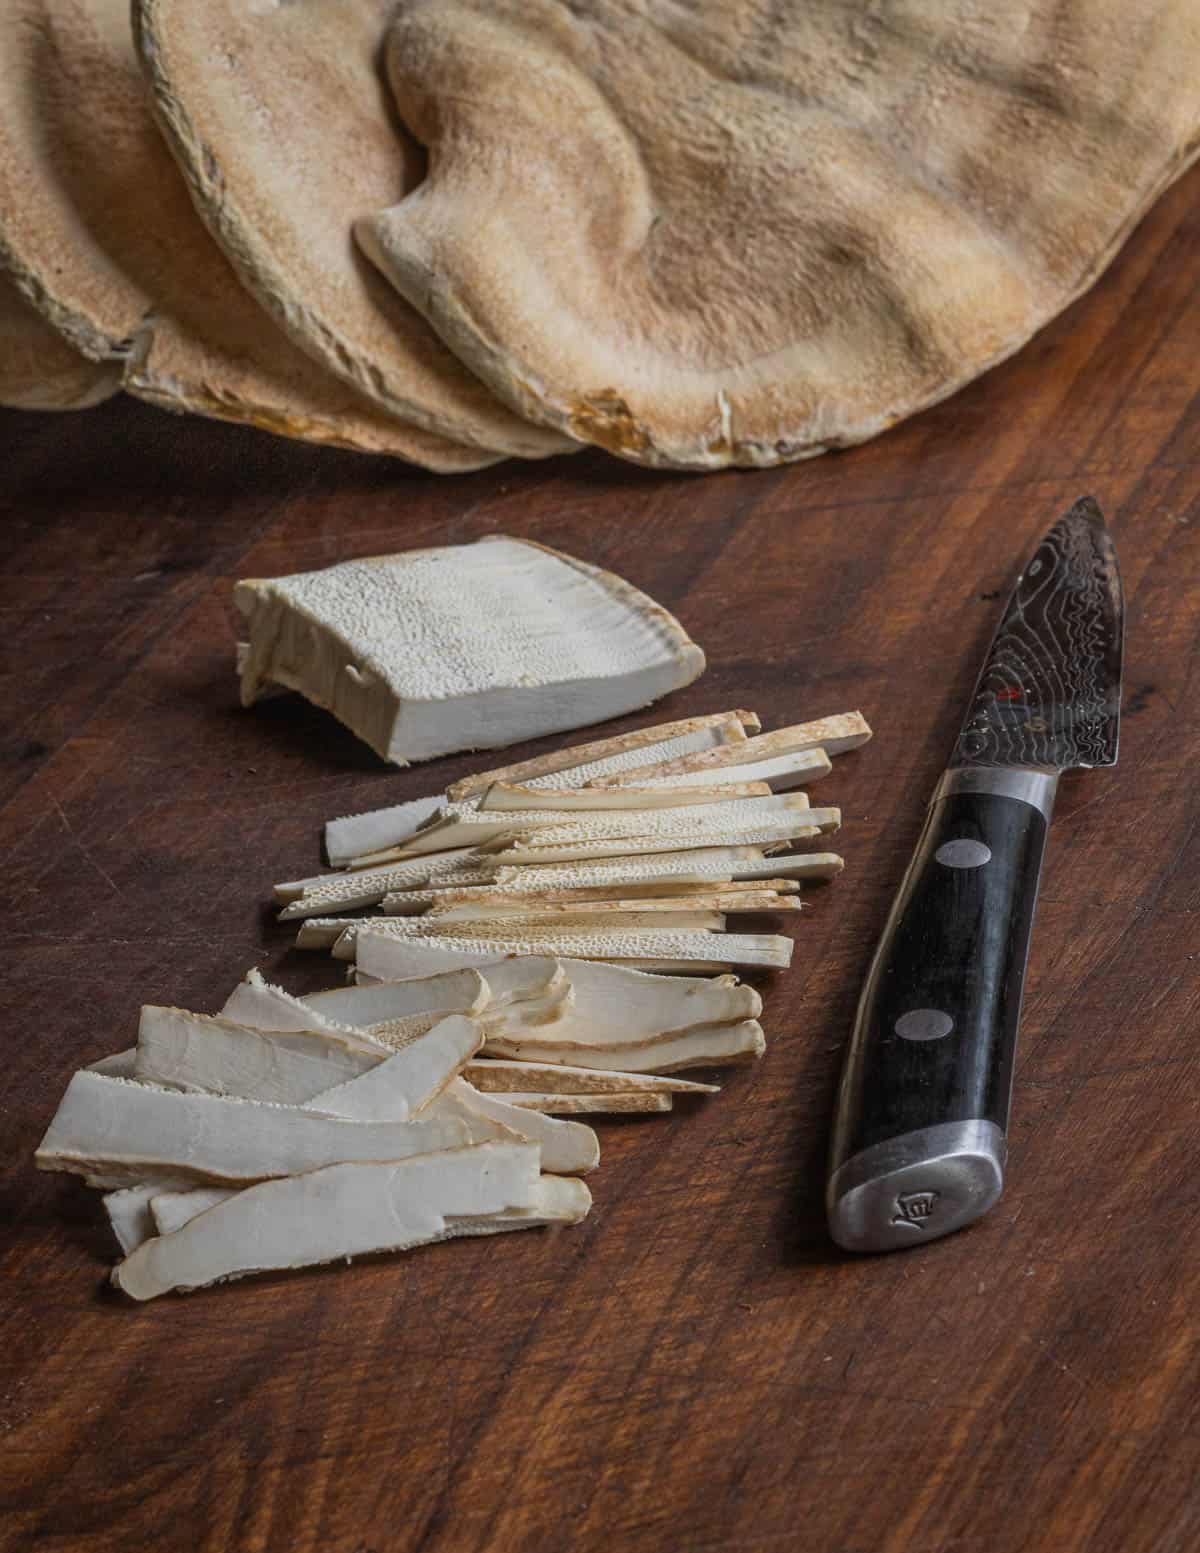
(916, 1187)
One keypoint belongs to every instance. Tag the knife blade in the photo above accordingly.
(920, 1133)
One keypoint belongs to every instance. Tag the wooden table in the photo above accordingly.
(694, 1369)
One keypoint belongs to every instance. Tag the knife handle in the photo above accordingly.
(919, 1136)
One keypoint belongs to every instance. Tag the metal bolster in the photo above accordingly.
(1031, 786)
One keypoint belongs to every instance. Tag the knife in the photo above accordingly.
(919, 1139)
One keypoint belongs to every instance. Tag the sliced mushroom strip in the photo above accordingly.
(180, 1050)
(482, 906)
(122, 1132)
(780, 773)
(332, 1212)
(831, 735)
(504, 797)
(581, 763)
(502, 1077)
(457, 992)
(567, 1148)
(402, 1084)
(130, 1215)
(555, 1103)
(725, 950)
(704, 1046)
(355, 836)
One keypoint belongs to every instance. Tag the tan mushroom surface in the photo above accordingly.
(280, 119)
(38, 369)
(746, 232)
(96, 222)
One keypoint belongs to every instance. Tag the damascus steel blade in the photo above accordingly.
(1049, 694)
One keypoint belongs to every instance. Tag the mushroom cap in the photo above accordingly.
(280, 121)
(744, 233)
(96, 224)
(38, 369)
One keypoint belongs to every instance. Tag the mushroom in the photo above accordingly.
(353, 838)
(246, 95)
(819, 739)
(775, 229)
(180, 1050)
(578, 645)
(120, 1132)
(38, 369)
(704, 951)
(100, 231)
(567, 1148)
(702, 1046)
(333, 1212)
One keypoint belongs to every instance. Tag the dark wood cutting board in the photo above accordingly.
(695, 1369)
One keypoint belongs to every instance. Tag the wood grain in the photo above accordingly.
(695, 1369)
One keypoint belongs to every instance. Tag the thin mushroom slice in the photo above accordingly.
(328, 932)
(247, 96)
(568, 847)
(651, 909)
(777, 228)
(352, 838)
(489, 831)
(580, 763)
(510, 982)
(402, 1084)
(766, 951)
(122, 1132)
(705, 1046)
(171, 1210)
(500, 1076)
(801, 865)
(697, 865)
(556, 1103)
(324, 1215)
(38, 369)
(181, 1050)
(96, 223)
(354, 834)
(554, 1200)
(577, 645)
(679, 915)
(780, 773)
(612, 1005)
(567, 1148)
(421, 871)
(506, 797)
(263, 1006)
(352, 891)
(818, 739)
(129, 1213)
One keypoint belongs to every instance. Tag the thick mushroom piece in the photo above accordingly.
(526, 641)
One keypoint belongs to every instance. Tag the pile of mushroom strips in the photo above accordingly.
(535, 958)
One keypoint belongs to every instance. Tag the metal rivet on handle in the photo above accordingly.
(963, 853)
(923, 1024)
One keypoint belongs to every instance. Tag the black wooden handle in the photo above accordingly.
(918, 1146)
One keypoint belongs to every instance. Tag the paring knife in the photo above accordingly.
(919, 1141)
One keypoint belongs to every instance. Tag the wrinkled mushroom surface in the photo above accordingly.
(743, 233)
